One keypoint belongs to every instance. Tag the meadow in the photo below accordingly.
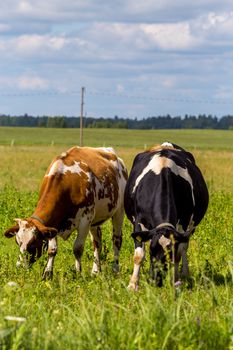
(84, 312)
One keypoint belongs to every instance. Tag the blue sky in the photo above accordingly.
(135, 58)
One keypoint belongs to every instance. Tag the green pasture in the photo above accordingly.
(84, 312)
(118, 138)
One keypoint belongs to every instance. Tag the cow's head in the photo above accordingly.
(32, 237)
(163, 244)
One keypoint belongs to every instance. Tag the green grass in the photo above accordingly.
(118, 138)
(82, 312)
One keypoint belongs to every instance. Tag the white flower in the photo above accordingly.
(15, 318)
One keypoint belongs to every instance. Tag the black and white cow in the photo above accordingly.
(166, 197)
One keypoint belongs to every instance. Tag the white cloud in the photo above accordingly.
(215, 28)
(214, 20)
(32, 83)
(171, 36)
(25, 7)
(29, 81)
(36, 43)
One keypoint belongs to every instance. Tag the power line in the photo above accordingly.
(119, 95)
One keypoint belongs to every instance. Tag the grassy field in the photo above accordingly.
(82, 312)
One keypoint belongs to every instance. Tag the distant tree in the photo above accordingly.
(55, 122)
(201, 121)
(226, 122)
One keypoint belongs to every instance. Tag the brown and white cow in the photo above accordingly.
(81, 189)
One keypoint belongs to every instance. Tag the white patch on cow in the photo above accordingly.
(139, 255)
(59, 167)
(115, 164)
(167, 144)
(157, 163)
(24, 235)
(106, 149)
(164, 242)
(52, 250)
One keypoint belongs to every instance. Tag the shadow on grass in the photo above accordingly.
(214, 276)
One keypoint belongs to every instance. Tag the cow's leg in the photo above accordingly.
(96, 237)
(117, 222)
(52, 251)
(21, 261)
(181, 253)
(78, 247)
(185, 267)
(139, 256)
(157, 271)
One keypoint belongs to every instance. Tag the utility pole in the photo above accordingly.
(81, 117)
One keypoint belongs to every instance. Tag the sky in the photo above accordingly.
(134, 58)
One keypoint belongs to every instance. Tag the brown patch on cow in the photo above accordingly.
(163, 162)
(137, 259)
(154, 148)
(31, 222)
(159, 148)
(10, 232)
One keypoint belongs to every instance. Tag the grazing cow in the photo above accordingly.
(81, 189)
(165, 199)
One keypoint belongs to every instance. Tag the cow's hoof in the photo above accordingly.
(188, 282)
(132, 286)
(116, 269)
(177, 284)
(47, 275)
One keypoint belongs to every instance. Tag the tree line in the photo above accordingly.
(159, 122)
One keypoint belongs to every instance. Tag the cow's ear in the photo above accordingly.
(142, 236)
(10, 232)
(49, 232)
